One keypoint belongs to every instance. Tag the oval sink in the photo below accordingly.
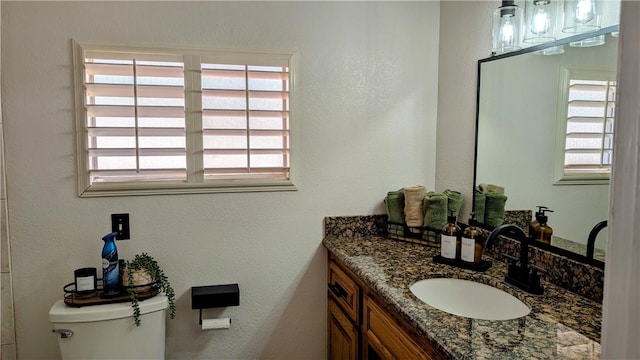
(469, 299)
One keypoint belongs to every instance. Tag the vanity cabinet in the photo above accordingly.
(362, 326)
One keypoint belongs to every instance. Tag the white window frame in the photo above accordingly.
(193, 122)
(567, 74)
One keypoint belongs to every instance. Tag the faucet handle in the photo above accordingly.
(512, 259)
(536, 270)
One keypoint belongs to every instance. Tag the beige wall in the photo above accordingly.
(7, 332)
(365, 109)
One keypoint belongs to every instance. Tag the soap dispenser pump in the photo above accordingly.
(450, 239)
(541, 231)
(471, 243)
(110, 266)
(534, 223)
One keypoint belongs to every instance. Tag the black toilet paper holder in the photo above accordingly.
(214, 296)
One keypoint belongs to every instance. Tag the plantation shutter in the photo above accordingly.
(590, 123)
(245, 119)
(135, 119)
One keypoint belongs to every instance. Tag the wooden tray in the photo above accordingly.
(74, 300)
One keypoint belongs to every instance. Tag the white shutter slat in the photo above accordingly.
(92, 69)
(238, 74)
(130, 131)
(129, 111)
(253, 94)
(242, 132)
(244, 151)
(124, 90)
(141, 152)
(242, 113)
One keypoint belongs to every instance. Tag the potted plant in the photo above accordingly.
(144, 270)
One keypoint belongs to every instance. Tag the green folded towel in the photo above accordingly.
(479, 205)
(494, 208)
(435, 210)
(455, 201)
(491, 187)
(394, 204)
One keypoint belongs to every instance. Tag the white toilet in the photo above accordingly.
(108, 331)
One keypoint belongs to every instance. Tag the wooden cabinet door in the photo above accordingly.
(343, 335)
(388, 339)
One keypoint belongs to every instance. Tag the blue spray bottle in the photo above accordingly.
(110, 271)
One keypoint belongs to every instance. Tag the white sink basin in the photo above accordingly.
(469, 299)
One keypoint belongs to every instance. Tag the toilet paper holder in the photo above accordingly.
(214, 296)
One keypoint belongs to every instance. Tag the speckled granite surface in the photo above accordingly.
(583, 279)
(561, 325)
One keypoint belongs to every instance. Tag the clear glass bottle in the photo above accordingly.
(450, 239)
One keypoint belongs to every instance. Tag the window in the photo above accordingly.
(160, 120)
(587, 121)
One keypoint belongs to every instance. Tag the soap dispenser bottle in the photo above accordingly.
(542, 232)
(450, 239)
(110, 271)
(472, 243)
(534, 223)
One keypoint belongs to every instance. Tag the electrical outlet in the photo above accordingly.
(120, 223)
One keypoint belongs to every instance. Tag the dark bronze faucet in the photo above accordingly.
(520, 272)
(591, 241)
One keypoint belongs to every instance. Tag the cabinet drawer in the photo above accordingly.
(345, 291)
(388, 338)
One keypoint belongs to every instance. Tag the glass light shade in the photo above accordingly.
(540, 21)
(554, 50)
(507, 29)
(594, 41)
(581, 16)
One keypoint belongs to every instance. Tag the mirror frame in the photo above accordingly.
(560, 251)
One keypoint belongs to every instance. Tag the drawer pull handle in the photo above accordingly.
(338, 290)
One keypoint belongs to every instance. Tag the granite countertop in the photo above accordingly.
(561, 325)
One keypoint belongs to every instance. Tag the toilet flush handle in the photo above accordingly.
(64, 333)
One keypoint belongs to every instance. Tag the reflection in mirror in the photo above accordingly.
(545, 134)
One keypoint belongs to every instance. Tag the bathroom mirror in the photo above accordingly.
(521, 131)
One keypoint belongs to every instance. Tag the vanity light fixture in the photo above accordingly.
(540, 21)
(580, 16)
(507, 24)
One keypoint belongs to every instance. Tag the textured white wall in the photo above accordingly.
(465, 37)
(365, 121)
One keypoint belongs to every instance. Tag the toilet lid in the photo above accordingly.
(62, 313)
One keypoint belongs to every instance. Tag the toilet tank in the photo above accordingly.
(108, 332)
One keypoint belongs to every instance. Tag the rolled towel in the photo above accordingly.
(435, 210)
(491, 187)
(413, 199)
(455, 201)
(494, 208)
(479, 205)
(394, 204)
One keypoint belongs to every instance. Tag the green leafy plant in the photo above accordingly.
(147, 263)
